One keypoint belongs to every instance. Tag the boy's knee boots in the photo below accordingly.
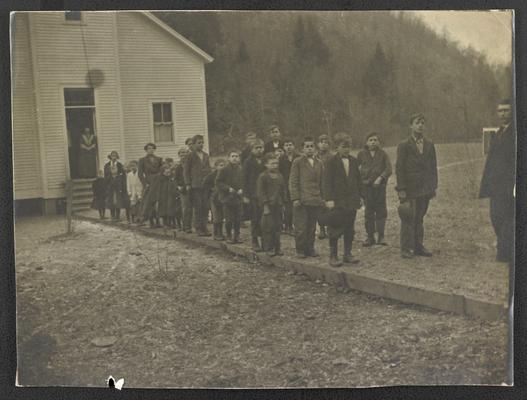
(333, 252)
(218, 231)
(380, 224)
(237, 232)
(348, 258)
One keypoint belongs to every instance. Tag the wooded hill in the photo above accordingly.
(325, 72)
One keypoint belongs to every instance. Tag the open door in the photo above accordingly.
(82, 138)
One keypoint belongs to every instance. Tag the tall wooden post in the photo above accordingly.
(69, 204)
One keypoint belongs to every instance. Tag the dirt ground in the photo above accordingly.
(173, 315)
(180, 316)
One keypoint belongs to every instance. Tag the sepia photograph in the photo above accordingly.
(264, 199)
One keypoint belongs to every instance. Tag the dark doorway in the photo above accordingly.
(82, 139)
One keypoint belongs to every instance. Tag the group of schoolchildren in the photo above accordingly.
(279, 189)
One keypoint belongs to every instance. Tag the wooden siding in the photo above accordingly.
(65, 51)
(142, 63)
(156, 67)
(26, 157)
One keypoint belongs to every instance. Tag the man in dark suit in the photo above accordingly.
(275, 142)
(342, 191)
(416, 171)
(499, 177)
(195, 169)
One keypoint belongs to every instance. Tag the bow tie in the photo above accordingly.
(419, 141)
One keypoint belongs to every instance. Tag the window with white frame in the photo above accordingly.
(163, 122)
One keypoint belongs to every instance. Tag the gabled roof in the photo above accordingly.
(187, 43)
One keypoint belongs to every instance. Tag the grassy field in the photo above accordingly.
(179, 316)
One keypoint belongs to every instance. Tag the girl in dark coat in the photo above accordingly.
(99, 195)
(115, 177)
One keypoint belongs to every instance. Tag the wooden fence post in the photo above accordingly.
(69, 204)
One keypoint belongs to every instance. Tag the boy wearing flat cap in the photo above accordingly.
(416, 172)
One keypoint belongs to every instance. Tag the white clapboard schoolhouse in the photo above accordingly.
(127, 77)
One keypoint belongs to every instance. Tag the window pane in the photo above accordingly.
(157, 113)
(72, 15)
(163, 133)
(79, 97)
(167, 112)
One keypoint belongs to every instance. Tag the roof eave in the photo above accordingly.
(191, 46)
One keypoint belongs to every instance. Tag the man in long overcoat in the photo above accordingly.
(499, 177)
(416, 172)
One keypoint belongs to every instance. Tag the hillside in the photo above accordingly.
(325, 72)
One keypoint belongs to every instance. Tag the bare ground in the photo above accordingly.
(191, 317)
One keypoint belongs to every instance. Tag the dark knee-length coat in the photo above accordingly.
(99, 193)
(168, 196)
(148, 169)
(499, 175)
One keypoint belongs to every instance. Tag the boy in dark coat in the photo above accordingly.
(275, 142)
(195, 169)
(211, 193)
(116, 194)
(416, 172)
(305, 188)
(323, 154)
(175, 195)
(99, 195)
(186, 209)
(342, 189)
(271, 192)
(284, 166)
(375, 169)
(498, 182)
(252, 168)
(229, 184)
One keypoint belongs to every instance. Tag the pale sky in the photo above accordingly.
(489, 32)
